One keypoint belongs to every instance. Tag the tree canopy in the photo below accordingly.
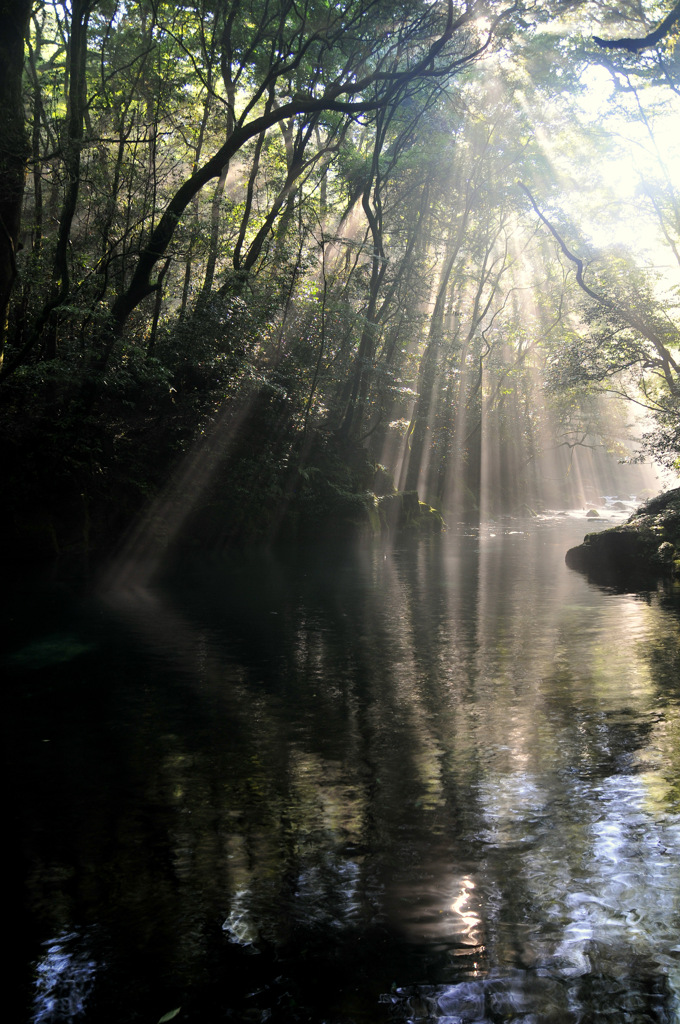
(433, 237)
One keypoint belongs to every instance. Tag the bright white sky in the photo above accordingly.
(636, 155)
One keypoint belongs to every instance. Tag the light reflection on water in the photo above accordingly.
(423, 783)
(64, 978)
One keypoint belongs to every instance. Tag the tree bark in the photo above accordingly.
(77, 102)
(14, 146)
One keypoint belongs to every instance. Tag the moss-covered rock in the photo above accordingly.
(648, 544)
(405, 513)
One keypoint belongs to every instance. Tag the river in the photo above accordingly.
(436, 782)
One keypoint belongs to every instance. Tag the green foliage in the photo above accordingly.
(362, 266)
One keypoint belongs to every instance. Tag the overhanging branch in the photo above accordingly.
(640, 324)
(567, 252)
(644, 42)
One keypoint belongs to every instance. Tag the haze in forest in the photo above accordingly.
(263, 263)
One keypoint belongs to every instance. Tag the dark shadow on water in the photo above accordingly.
(359, 785)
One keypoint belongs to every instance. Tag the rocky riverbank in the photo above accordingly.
(647, 544)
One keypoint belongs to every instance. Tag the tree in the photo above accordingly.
(338, 61)
(311, 212)
(14, 149)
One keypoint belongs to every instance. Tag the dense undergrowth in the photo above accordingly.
(83, 462)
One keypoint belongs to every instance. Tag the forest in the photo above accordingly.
(326, 328)
(299, 258)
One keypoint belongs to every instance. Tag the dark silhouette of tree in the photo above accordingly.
(653, 38)
(14, 146)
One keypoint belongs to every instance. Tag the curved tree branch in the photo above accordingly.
(644, 42)
(567, 252)
(669, 365)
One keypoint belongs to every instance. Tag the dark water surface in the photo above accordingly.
(434, 783)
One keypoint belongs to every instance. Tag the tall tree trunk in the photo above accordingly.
(77, 101)
(363, 364)
(429, 364)
(215, 218)
(38, 120)
(215, 210)
(188, 263)
(419, 429)
(14, 146)
(428, 376)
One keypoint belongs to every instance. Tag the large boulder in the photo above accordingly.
(649, 543)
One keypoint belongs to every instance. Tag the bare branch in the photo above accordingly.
(567, 252)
